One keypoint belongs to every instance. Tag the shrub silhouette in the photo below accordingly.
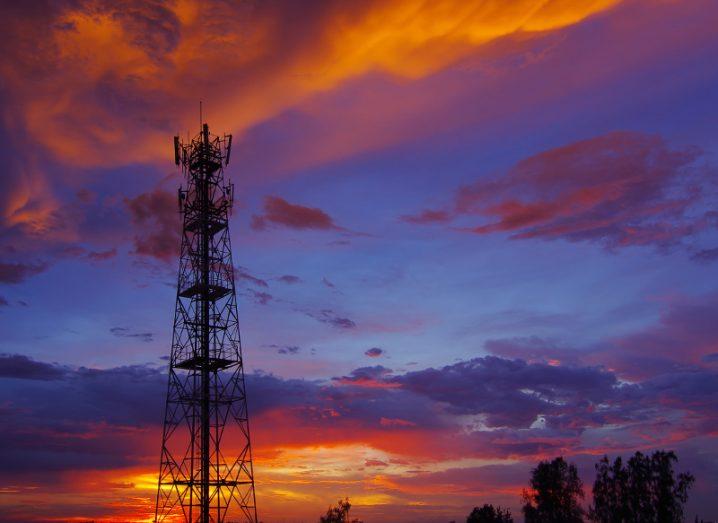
(489, 514)
(338, 513)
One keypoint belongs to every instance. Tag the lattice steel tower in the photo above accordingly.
(206, 472)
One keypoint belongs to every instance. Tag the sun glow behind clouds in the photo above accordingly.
(370, 476)
(108, 89)
(413, 39)
(94, 47)
(356, 99)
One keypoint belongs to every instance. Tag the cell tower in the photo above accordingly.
(206, 472)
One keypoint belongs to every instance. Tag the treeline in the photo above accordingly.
(644, 489)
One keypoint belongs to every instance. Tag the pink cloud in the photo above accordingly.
(619, 189)
(157, 222)
(279, 212)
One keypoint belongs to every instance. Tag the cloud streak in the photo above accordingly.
(19, 272)
(279, 212)
(619, 189)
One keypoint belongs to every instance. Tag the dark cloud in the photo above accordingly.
(68, 419)
(279, 212)
(285, 349)
(85, 195)
(123, 332)
(619, 189)
(102, 255)
(327, 283)
(46, 397)
(511, 392)
(72, 251)
(365, 375)
(375, 376)
(706, 255)
(244, 274)
(691, 391)
(157, 223)
(374, 352)
(150, 26)
(74, 418)
(19, 272)
(428, 216)
(335, 321)
(3, 302)
(329, 317)
(290, 279)
(259, 297)
(267, 392)
(21, 367)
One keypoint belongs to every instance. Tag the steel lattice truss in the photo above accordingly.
(206, 464)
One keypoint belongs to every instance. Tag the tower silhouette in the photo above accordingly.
(206, 472)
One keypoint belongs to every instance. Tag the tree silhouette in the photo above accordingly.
(646, 490)
(338, 513)
(489, 514)
(555, 493)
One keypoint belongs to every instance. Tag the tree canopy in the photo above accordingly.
(645, 490)
(489, 514)
(554, 495)
(338, 513)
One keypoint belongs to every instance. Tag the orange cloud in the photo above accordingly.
(413, 39)
(110, 84)
(94, 85)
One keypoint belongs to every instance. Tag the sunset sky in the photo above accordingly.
(468, 236)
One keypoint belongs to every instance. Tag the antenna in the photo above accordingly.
(200, 114)
(177, 148)
(229, 149)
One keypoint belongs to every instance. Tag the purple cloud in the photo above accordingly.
(56, 407)
(511, 392)
(329, 317)
(19, 272)
(17, 366)
(123, 332)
